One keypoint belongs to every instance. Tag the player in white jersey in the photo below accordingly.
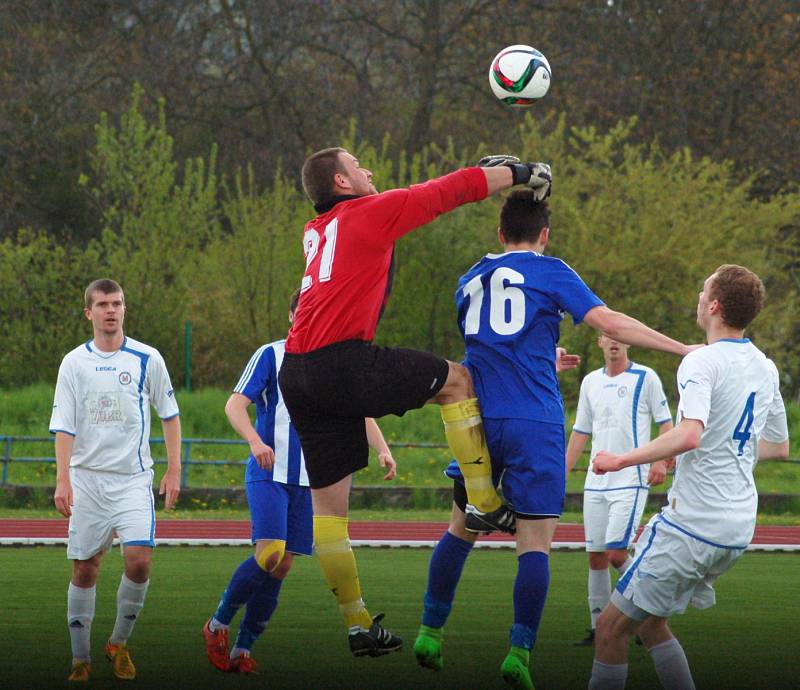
(730, 414)
(279, 498)
(615, 408)
(104, 475)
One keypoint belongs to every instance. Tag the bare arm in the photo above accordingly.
(497, 179)
(768, 449)
(170, 485)
(577, 442)
(63, 495)
(378, 443)
(628, 330)
(685, 436)
(236, 411)
(658, 470)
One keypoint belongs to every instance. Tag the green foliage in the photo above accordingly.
(642, 226)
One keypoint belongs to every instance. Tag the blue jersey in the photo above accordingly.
(510, 308)
(259, 383)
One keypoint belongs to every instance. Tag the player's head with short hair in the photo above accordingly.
(104, 286)
(335, 172)
(522, 218)
(739, 293)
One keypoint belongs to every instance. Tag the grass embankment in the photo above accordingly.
(26, 412)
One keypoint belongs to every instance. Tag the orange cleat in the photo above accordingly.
(244, 664)
(121, 662)
(217, 647)
(80, 672)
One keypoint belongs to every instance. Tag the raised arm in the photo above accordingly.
(628, 330)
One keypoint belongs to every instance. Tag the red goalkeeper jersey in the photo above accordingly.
(349, 250)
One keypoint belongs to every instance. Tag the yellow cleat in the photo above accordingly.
(121, 661)
(80, 672)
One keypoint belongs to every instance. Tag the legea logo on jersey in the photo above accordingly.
(124, 378)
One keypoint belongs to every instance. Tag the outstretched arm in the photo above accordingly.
(379, 445)
(685, 436)
(628, 330)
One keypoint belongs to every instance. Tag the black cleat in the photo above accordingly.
(587, 641)
(376, 641)
(502, 519)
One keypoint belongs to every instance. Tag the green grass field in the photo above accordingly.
(749, 640)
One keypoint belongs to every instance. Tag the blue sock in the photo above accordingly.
(530, 593)
(260, 607)
(244, 581)
(444, 572)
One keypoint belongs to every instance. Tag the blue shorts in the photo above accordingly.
(528, 463)
(281, 511)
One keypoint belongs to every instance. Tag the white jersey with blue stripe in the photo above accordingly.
(617, 411)
(732, 388)
(259, 383)
(510, 308)
(103, 399)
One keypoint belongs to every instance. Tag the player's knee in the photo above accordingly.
(270, 554)
(598, 560)
(137, 568)
(617, 557)
(84, 573)
(283, 568)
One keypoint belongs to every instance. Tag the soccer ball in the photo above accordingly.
(519, 75)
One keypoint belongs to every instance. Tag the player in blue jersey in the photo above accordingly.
(510, 307)
(280, 506)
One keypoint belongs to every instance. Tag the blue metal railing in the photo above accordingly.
(186, 453)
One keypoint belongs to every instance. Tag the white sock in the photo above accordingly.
(236, 652)
(627, 564)
(214, 625)
(671, 666)
(599, 593)
(608, 676)
(130, 599)
(80, 613)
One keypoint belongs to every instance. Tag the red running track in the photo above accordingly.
(395, 531)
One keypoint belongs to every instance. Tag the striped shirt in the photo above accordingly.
(259, 383)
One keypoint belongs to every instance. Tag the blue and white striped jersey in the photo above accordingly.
(259, 383)
(103, 399)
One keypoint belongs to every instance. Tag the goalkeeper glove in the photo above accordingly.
(537, 176)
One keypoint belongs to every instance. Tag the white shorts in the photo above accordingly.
(106, 502)
(671, 570)
(611, 518)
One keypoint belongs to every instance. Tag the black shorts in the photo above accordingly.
(330, 391)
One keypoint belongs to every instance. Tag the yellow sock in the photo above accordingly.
(338, 563)
(463, 428)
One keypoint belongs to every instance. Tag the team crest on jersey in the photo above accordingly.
(124, 378)
(622, 391)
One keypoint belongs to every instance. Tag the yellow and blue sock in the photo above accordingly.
(260, 607)
(332, 544)
(246, 579)
(463, 428)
